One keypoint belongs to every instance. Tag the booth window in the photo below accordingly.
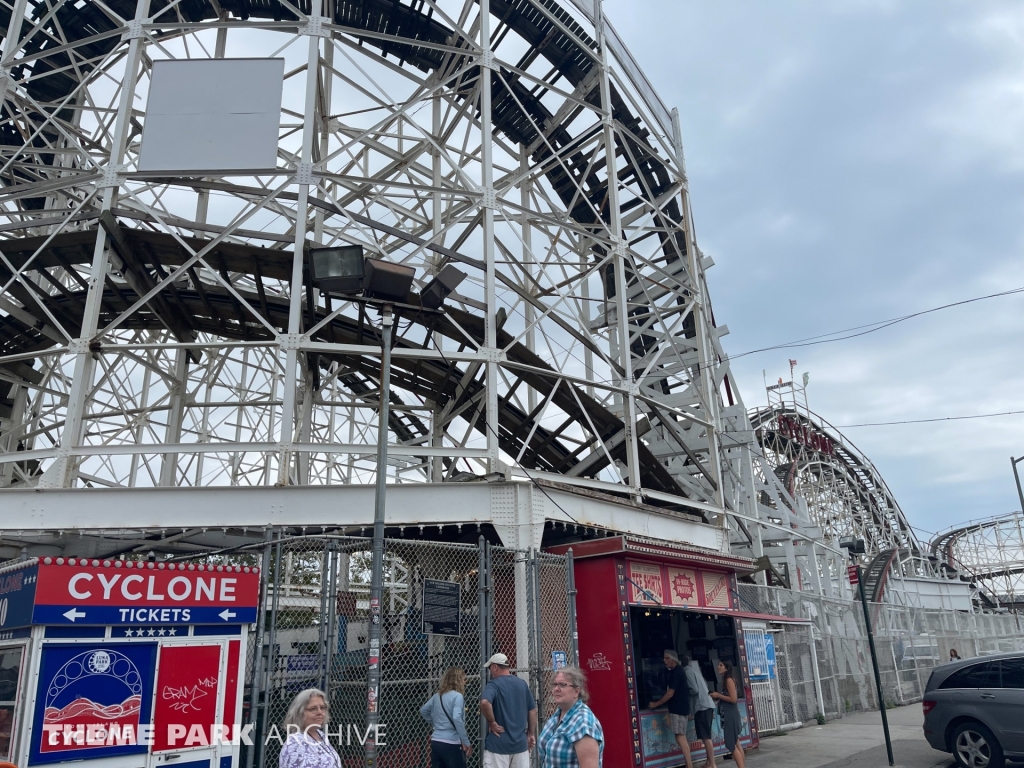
(707, 639)
(10, 671)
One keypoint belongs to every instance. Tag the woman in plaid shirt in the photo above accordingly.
(572, 736)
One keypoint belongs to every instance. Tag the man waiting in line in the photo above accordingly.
(510, 710)
(678, 698)
(701, 707)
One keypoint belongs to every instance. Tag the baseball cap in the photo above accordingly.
(499, 658)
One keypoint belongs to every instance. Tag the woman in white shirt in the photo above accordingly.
(307, 746)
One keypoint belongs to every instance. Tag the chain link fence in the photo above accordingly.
(313, 633)
(823, 664)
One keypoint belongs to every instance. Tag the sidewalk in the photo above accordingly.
(856, 741)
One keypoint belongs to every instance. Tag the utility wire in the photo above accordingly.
(871, 327)
(925, 421)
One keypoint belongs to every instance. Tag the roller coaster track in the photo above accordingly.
(846, 494)
(990, 553)
(227, 296)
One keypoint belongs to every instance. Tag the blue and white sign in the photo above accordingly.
(769, 654)
(92, 701)
(17, 594)
(104, 614)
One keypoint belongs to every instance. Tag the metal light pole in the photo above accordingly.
(852, 547)
(377, 572)
(874, 663)
(1020, 494)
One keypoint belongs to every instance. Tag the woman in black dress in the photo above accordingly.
(729, 709)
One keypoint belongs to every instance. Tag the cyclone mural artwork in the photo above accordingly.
(92, 700)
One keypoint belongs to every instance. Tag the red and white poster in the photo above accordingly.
(645, 584)
(716, 590)
(187, 685)
(682, 587)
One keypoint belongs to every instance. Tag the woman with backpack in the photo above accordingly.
(445, 711)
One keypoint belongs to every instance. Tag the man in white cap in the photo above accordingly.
(510, 710)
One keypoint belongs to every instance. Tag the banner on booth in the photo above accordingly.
(682, 587)
(658, 584)
(17, 595)
(187, 687)
(91, 701)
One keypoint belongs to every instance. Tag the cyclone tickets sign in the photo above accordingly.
(80, 591)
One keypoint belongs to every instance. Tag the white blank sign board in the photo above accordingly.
(212, 114)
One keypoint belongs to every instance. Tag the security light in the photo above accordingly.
(854, 545)
(438, 289)
(386, 280)
(338, 269)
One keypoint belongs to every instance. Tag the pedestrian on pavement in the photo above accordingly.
(445, 711)
(572, 736)
(729, 709)
(510, 710)
(953, 655)
(677, 697)
(306, 745)
(702, 709)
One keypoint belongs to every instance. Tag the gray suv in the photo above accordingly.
(974, 708)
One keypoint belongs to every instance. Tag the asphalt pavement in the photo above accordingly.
(855, 741)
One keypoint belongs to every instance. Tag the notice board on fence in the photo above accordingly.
(442, 606)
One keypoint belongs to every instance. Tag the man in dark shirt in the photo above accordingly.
(678, 698)
(510, 710)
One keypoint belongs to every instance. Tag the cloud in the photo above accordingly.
(848, 163)
(984, 118)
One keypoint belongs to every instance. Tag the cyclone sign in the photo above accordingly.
(91, 700)
(124, 592)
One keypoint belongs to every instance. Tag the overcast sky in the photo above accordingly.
(852, 161)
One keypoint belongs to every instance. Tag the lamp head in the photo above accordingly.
(387, 281)
(337, 269)
(438, 289)
(852, 544)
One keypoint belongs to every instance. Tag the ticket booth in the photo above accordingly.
(123, 663)
(636, 598)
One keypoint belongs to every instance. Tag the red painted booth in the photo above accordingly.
(636, 598)
(124, 664)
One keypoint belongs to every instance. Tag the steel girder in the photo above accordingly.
(160, 329)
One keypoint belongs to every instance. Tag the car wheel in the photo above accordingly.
(974, 746)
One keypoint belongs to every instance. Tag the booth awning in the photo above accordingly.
(747, 615)
(661, 550)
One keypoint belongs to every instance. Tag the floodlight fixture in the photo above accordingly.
(338, 269)
(386, 280)
(853, 544)
(438, 289)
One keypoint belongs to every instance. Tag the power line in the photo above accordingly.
(925, 421)
(871, 327)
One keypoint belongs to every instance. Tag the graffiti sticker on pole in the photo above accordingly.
(441, 607)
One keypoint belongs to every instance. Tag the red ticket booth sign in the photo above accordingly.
(132, 663)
